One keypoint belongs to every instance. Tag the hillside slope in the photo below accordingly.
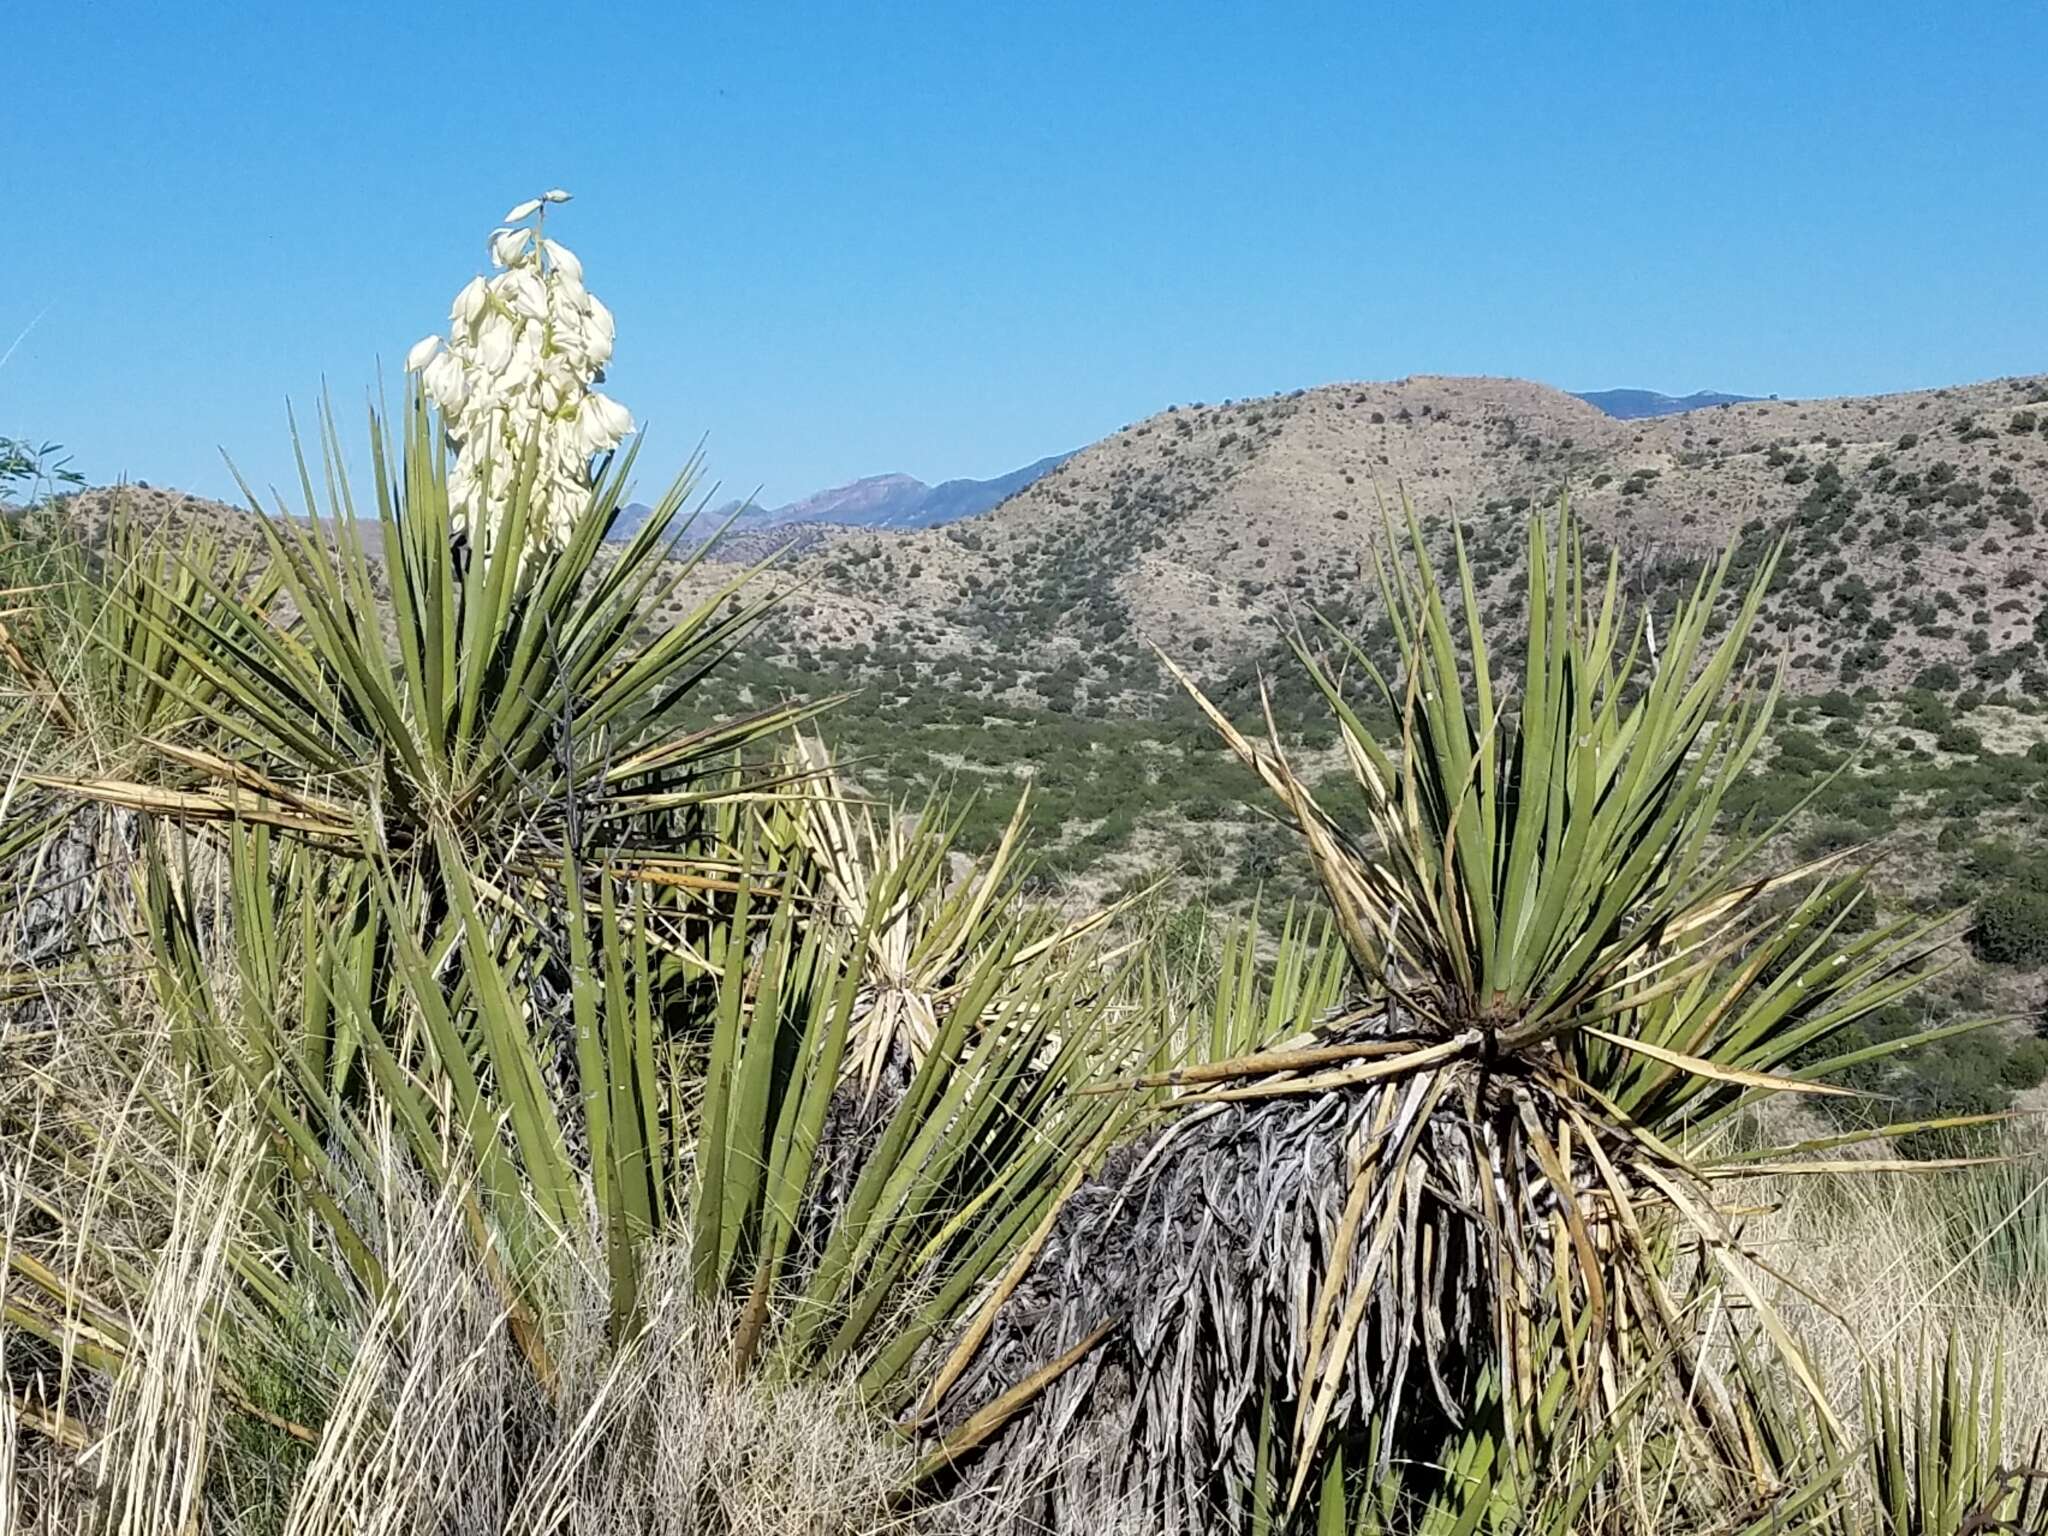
(1914, 525)
(1912, 519)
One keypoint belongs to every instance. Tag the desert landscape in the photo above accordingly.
(1043, 832)
(1351, 840)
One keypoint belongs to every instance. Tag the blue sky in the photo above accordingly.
(845, 239)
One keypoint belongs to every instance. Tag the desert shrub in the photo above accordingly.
(2011, 926)
(1959, 739)
(2026, 1065)
(1831, 837)
(1924, 711)
(1802, 752)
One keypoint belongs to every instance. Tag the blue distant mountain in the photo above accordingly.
(950, 500)
(878, 501)
(1635, 404)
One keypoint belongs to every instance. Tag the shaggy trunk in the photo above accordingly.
(1208, 1247)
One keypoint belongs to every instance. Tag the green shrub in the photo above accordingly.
(2011, 927)
(1830, 837)
(1924, 711)
(2027, 1066)
(1959, 739)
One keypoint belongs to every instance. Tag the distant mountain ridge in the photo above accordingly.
(1637, 404)
(895, 501)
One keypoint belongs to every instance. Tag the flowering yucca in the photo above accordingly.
(523, 351)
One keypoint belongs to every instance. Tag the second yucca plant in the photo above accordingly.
(1458, 1208)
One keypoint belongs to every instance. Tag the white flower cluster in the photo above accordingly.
(524, 349)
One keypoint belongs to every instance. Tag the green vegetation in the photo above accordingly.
(668, 1003)
(31, 472)
(480, 1062)
(2012, 926)
(1137, 786)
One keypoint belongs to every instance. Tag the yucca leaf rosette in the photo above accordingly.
(1451, 1212)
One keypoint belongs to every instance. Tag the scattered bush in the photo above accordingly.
(2011, 927)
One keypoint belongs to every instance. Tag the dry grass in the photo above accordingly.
(1892, 1261)
(438, 1425)
(429, 1418)
(435, 1424)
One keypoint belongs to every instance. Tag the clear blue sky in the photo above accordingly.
(844, 239)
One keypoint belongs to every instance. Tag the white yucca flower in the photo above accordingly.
(524, 349)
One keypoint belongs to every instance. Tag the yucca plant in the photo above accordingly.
(898, 886)
(447, 887)
(496, 673)
(501, 699)
(1416, 1222)
(1937, 1461)
(418, 739)
(1931, 1452)
(448, 739)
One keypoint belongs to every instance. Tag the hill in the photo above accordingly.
(1912, 521)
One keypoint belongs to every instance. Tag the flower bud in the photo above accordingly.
(522, 291)
(494, 343)
(525, 210)
(445, 383)
(422, 352)
(603, 422)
